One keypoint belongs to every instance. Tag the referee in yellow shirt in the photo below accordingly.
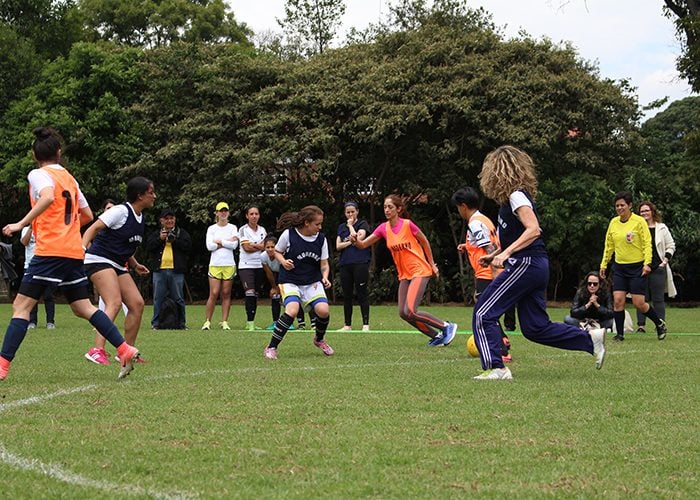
(628, 237)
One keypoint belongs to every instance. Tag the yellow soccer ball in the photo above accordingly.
(471, 347)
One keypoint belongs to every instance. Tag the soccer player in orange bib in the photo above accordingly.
(482, 239)
(413, 257)
(58, 211)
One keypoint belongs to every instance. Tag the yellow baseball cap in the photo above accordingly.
(222, 205)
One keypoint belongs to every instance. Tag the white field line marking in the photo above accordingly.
(59, 473)
(65, 476)
(45, 397)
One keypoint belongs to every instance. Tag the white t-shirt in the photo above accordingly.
(113, 218)
(518, 199)
(222, 256)
(270, 262)
(251, 260)
(38, 180)
(283, 243)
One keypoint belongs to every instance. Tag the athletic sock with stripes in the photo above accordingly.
(281, 327)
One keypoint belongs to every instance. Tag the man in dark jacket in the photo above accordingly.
(168, 250)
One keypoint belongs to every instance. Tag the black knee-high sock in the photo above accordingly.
(619, 317)
(321, 327)
(281, 327)
(251, 305)
(651, 314)
(276, 307)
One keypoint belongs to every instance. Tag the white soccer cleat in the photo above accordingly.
(598, 338)
(495, 374)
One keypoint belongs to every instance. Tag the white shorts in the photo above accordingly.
(307, 295)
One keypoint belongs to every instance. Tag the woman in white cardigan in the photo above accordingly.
(663, 248)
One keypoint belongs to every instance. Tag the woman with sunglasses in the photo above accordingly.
(592, 304)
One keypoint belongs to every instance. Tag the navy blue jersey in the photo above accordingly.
(510, 228)
(352, 254)
(118, 245)
(307, 260)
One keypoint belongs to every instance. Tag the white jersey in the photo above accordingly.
(251, 260)
(222, 256)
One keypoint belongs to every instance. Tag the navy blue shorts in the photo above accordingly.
(628, 278)
(91, 269)
(67, 274)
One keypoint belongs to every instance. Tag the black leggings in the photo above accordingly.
(355, 277)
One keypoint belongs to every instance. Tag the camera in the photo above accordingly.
(171, 235)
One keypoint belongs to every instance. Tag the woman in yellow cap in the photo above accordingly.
(222, 240)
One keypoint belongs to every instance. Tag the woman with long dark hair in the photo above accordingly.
(413, 257)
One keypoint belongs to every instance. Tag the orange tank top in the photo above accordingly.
(57, 229)
(474, 252)
(407, 253)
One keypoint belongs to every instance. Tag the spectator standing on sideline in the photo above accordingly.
(629, 239)
(111, 243)
(58, 211)
(251, 236)
(413, 257)
(221, 241)
(27, 239)
(168, 250)
(302, 251)
(482, 239)
(354, 265)
(508, 177)
(662, 249)
(592, 304)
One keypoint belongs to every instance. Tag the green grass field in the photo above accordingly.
(385, 417)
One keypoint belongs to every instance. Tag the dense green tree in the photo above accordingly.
(687, 19)
(154, 23)
(87, 97)
(19, 65)
(52, 26)
(311, 25)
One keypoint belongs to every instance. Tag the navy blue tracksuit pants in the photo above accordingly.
(523, 282)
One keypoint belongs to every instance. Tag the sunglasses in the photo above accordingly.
(592, 283)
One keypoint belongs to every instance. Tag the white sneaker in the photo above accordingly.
(346, 328)
(598, 338)
(495, 374)
(365, 328)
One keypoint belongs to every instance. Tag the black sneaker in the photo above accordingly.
(661, 330)
(618, 338)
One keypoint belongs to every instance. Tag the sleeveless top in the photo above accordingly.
(57, 229)
(307, 260)
(117, 245)
(407, 253)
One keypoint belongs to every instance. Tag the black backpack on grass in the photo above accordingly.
(168, 317)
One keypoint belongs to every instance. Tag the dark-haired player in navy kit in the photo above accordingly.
(508, 177)
(302, 252)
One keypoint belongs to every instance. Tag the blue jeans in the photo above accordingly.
(168, 283)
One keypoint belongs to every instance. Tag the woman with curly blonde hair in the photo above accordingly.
(508, 177)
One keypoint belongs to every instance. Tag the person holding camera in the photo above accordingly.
(168, 250)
